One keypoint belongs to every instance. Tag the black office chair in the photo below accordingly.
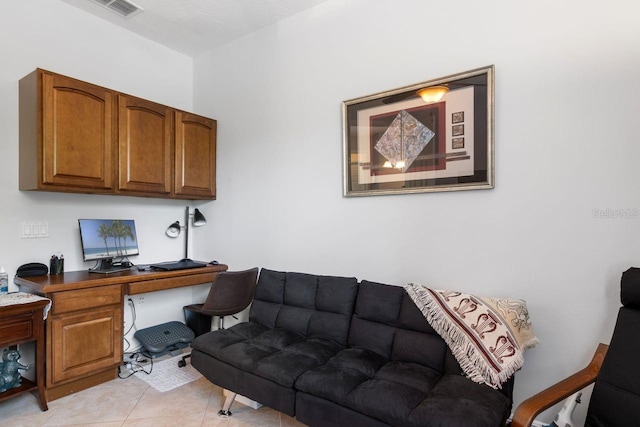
(615, 401)
(230, 293)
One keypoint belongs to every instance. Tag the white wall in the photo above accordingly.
(566, 112)
(56, 36)
(567, 108)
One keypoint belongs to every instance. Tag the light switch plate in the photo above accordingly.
(34, 230)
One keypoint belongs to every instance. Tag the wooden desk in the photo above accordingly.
(21, 323)
(85, 328)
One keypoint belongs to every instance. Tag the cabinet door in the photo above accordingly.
(195, 156)
(77, 133)
(83, 343)
(144, 146)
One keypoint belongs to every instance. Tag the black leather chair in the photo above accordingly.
(615, 401)
(230, 293)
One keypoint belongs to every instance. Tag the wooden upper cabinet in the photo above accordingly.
(195, 156)
(66, 134)
(144, 146)
(79, 137)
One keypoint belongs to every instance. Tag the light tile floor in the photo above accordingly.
(132, 402)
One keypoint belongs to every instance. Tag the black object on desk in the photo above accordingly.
(56, 264)
(32, 269)
(183, 264)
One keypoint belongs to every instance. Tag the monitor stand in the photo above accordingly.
(106, 266)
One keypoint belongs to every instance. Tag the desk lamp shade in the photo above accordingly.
(174, 229)
(198, 218)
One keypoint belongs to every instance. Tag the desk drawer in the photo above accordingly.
(145, 286)
(81, 299)
(16, 329)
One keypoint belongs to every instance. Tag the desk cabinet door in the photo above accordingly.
(84, 343)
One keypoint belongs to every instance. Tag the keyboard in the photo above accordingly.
(183, 264)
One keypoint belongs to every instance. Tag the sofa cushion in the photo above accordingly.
(309, 305)
(295, 319)
(365, 381)
(268, 298)
(402, 393)
(393, 392)
(283, 367)
(300, 290)
(329, 326)
(264, 313)
(270, 286)
(315, 411)
(341, 374)
(297, 322)
(277, 354)
(388, 322)
(379, 302)
(215, 342)
(457, 401)
(374, 322)
(411, 317)
(415, 340)
(395, 364)
(372, 336)
(414, 347)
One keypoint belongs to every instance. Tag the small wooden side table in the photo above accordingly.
(21, 323)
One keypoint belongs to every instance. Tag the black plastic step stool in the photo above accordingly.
(165, 338)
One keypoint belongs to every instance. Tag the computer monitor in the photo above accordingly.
(109, 242)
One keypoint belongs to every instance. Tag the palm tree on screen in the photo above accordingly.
(127, 232)
(117, 231)
(104, 232)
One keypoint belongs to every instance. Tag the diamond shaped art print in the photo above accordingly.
(404, 140)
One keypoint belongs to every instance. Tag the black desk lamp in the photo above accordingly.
(174, 229)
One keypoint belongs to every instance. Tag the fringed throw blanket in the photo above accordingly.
(487, 336)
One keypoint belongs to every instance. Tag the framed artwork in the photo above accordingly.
(457, 130)
(457, 143)
(396, 142)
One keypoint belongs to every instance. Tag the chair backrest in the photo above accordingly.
(231, 292)
(615, 400)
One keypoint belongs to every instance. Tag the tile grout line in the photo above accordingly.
(136, 405)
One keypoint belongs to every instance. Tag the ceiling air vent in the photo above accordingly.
(121, 7)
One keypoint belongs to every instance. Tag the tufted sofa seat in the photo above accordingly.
(297, 322)
(333, 352)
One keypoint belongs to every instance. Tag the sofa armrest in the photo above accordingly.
(527, 410)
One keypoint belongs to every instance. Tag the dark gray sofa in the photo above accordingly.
(334, 352)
